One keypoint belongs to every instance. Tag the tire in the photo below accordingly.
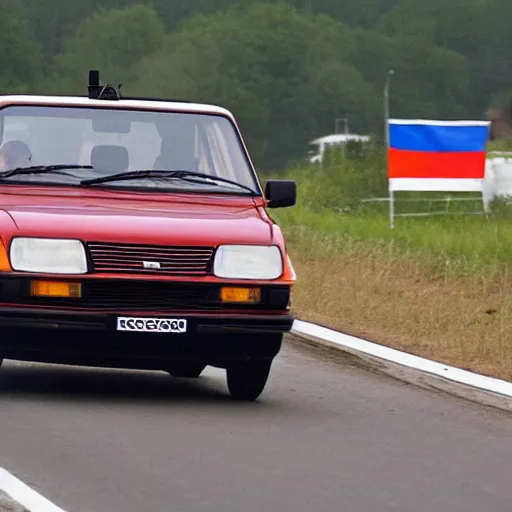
(186, 370)
(247, 380)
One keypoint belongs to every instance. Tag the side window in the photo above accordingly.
(220, 151)
(214, 151)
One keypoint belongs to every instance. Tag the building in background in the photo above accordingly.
(318, 147)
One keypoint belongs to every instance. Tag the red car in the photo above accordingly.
(134, 234)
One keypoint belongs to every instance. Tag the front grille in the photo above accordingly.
(140, 295)
(129, 295)
(132, 259)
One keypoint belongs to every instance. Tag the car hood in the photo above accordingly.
(170, 220)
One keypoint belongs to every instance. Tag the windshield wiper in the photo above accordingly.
(190, 176)
(40, 169)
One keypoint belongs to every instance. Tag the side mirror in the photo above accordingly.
(281, 193)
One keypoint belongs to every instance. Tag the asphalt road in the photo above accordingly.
(326, 436)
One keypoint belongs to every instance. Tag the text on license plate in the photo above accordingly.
(163, 325)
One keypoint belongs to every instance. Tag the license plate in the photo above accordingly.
(157, 325)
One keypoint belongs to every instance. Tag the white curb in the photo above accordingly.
(24, 495)
(413, 369)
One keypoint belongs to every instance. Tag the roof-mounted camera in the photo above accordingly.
(98, 91)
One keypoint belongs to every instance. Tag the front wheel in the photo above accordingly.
(247, 380)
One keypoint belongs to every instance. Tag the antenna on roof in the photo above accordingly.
(94, 87)
(97, 91)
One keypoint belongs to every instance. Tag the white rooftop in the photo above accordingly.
(339, 138)
(195, 108)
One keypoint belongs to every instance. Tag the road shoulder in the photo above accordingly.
(408, 368)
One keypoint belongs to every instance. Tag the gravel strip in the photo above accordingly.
(7, 504)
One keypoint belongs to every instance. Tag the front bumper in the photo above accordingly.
(92, 339)
(84, 331)
(197, 324)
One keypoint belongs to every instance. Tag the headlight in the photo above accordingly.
(53, 256)
(248, 262)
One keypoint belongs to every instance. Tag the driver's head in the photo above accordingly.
(14, 154)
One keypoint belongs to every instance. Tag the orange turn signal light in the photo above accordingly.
(240, 295)
(55, 289)
(4, 259)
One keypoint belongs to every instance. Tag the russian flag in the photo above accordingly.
(430, 150)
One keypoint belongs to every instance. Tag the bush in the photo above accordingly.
(346, 176)
(356, 172)
(500, 145)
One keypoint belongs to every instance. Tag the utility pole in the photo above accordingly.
(386, 123)
(386, 106)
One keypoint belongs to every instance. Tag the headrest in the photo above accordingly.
(110, 158)
(16, 153)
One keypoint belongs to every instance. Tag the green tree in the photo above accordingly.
(53, 20)
(287, 70)
(112, 41)
(361, 13)
(199, 65)
(429, 81)
(477, 29)
(285, 74)
(20, 57)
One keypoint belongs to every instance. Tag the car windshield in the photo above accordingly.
(113, 141)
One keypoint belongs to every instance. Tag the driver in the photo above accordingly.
(14, 154)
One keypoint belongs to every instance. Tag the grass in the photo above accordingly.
(500, 145)
(439, 287)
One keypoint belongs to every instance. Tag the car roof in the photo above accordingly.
(139, 104)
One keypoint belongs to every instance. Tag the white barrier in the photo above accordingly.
(498, 175)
